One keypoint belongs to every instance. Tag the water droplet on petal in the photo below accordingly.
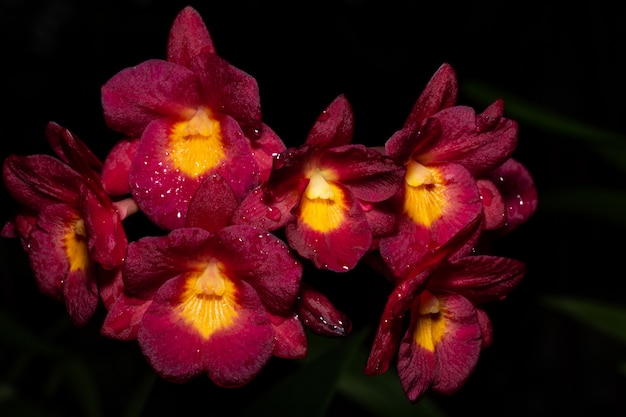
(273, 213)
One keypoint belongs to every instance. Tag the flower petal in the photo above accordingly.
(107, 236)
(231, 340)
(170, 165)
(333, 233)
(479, 142)
(433, 214)
(137, 95)
(216, 197)
(519, 192)
(188, 37)
(369, 175)
(289, 337)
(479, 278)
(334, 126)
(264, 261)
(446, 344)
(37, 181)
(441, 92)
(230, 91)
(117, 165)
(494, 215)
(59, 258)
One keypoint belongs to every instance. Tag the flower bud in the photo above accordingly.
(320, 315)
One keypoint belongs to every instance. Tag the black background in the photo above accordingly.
(570, 60)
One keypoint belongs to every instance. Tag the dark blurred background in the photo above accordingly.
(562, 60)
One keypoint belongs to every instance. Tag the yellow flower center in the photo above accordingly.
(195, 145)
(209, 300)
(322, 207)
(76, 248)
(423, 197)
(431, 325)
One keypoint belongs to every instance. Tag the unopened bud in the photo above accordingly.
(320, 315)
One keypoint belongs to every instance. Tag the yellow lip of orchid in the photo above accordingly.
(196, 144)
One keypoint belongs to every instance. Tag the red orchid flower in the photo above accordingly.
(445, 148)
(194, 115)
(320, 192)
(68, 224)
(448, 327)
(208, 285)
(211, 294)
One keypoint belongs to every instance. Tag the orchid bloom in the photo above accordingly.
(193, 115)
(211, 293)
(448, 325)
(321, 191)
(445, 149)
(225, 293)
(69, 226)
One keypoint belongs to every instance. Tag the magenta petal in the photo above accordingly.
(137, 95)
(117, 165)
(230, 91)
(463, 141)
(416, 369)
(457, 353)
(479, 278)
(441, 92)
(123, 318)
(163, 192)
(461, 207)
(289, 337)
(215, 197)
(518, 189)
(188, 37)
(72, 281)
(320, 315)
(494, 215)
(486, 328)
(265, 148)
(339, 249)
(72, 150)
(334, 126)
(152, 260)
(264, 261)
(231, 357)
(80, 292)
(413, 140)
(260, 210)
(47, 255)
(37, 181)
(369, 175)
(107, 237)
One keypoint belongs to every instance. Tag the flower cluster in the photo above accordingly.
(221, 290)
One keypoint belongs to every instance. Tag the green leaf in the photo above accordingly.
(309, 390)
(600, 315)
(139, 397)
(381, 394)
(83, 384)
(16, 336)
(606, 204)
(606, 143)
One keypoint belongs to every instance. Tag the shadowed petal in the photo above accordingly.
(59, 258)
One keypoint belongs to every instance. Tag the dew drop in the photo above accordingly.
(273, 214)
